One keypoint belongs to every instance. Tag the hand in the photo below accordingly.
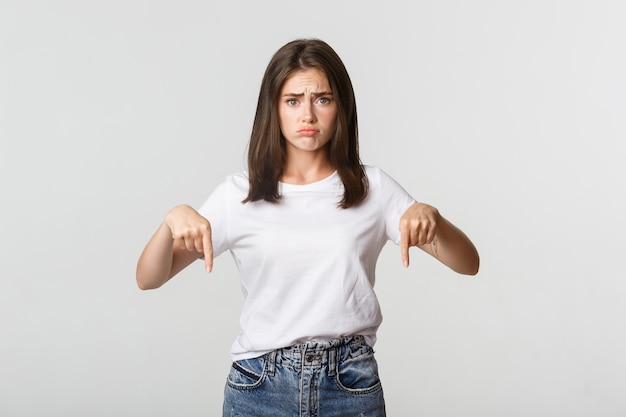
(191, 232)
(418, 226)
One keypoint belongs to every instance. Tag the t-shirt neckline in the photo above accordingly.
(312, 185)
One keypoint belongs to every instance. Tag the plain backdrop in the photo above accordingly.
(508, 116)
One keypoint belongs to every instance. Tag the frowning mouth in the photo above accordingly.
(308, 131)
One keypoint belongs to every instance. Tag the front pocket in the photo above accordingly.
(359, 375)
(247, 373)
(252, 376)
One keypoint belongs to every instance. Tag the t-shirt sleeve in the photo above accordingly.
(395, 201)
(216, 210)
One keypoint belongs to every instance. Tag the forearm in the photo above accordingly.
(155, 263)
(454, 249)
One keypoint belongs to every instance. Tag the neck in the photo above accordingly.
(306, 170)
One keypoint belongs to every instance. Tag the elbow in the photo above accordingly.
(146, 286)
(472, 267)
(469, 267)
(143, 285)
(140, 278)
(472, 271)
(144, 281)
(468, 271)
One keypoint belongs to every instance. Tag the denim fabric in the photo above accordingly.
(314, 379)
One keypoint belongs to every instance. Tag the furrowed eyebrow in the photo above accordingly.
(322, 93)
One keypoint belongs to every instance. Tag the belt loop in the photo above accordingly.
(271, 363)
(332, 361)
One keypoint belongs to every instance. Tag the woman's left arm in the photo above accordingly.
(421, 225)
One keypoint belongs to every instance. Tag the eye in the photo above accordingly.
(323, 100)
(292, 102)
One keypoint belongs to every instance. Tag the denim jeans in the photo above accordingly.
(314, 379)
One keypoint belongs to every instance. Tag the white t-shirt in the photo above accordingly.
(307, 266)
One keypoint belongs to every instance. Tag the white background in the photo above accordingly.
(509, 116)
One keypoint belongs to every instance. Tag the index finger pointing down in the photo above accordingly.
(404, 246)
(207, 246)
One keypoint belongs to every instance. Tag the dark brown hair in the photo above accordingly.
(266, 151)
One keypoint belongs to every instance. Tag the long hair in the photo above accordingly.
(266, 151)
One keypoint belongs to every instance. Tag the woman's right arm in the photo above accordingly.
(183, 237)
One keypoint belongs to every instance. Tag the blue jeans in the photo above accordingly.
(314, 379)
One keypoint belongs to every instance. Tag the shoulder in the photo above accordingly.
(372, 172)
(383, 183)
(233, 185)
(240, 178)
(376, 175)
(236, 181)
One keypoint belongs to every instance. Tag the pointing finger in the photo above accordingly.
(207, 246)
(404, 245)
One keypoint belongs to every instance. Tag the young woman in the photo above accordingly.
(305, 225)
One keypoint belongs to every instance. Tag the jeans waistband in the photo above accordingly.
(318, 354)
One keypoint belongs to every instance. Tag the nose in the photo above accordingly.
(308, 113)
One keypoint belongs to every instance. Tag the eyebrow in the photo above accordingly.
(321, 93)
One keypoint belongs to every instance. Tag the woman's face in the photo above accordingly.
(307, 111)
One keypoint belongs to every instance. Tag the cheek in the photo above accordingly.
(329, 116)
(283, 119)
(332, 120)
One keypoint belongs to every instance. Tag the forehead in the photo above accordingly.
(310, 79)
